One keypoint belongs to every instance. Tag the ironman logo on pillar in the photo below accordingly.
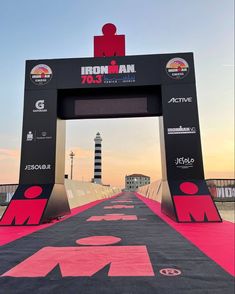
(177, 68)
(41, 74)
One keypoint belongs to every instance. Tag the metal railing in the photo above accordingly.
(6, 192)
(220, 189)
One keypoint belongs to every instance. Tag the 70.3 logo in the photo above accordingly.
(90, 79)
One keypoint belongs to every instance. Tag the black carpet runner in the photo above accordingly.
(119, 246)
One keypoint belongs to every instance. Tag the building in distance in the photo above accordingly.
(134, 181)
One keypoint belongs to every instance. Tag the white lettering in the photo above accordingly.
(37, 167)
(122, 69)
(96, 70)
(225, 192)
(104, 69)
(130, 68)
(180, 100)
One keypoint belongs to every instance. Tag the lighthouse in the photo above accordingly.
(98, 160)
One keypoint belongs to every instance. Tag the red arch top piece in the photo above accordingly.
(109, 44)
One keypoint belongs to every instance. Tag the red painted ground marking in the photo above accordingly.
(121, 201)
(119, 206)
(98, 240)
(33, 192)
(9, 234)
(112, 217)
(123, 261)
(216, 240)
(170, 272)
(189, 188)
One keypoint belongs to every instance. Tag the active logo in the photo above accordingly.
(40, 106)
(41, 74)
(184, 162)
(108, 74)
(181, 100)
(177, 68)
(37, 167)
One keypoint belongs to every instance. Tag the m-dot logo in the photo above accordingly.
(177, 68)
(41, 74)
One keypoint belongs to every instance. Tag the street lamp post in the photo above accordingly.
(72, 154)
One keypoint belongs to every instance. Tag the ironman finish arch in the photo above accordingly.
(121, 86)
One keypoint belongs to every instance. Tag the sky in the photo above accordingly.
(65, 29)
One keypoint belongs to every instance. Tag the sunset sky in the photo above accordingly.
(65, 29)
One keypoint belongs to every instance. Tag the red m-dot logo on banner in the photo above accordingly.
(191, 207)
(26, 207)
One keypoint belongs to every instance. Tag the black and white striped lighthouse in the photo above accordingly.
(98, 160)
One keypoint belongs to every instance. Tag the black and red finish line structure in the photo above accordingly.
(110, 85)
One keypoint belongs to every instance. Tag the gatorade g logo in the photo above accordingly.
(177, 68)
(40, 106)
(41, 74)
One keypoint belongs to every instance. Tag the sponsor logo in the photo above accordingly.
(108, 74)
(170, 272)
(180, 100)
(40, 106)
(37, 167)
(181, 130)
(184, 162)
(33, 136)
(177, 68)
(41, 74)
(225, 192)
(29, 136)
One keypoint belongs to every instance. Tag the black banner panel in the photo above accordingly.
(182, 132)
(39, 137)
(111, 106)
(110, 103)
(127, 86)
